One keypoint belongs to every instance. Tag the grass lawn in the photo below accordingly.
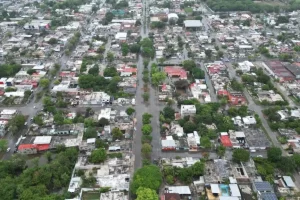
(91, 196)
(188, 10)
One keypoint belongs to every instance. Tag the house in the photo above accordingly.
(176, 72)
(170, 196)
(269, 96)
(37, 25)
(264, 190)
(187, 110)
(278, 71)
(249, 120)
(245, 66)
(236, 98)
(193, 24)
(121, 36)
(168, 145)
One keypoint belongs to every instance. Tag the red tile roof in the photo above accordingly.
(39, 147)
(176, 71)
(226, 141)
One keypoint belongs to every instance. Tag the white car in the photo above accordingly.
(8, 149)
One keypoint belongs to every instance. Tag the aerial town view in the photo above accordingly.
(149, 100)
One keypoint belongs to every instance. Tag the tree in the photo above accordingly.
(146, 118)
(117, 134)
(198, 73)
(221, 150)
(130, 111)
(146, 129)
(103, 122)
(31, 71)
(109, 17)
(16, 123)
(240, 155)
(146, 150)
(146, 194)
(189, 127)
(110, 57)
(98, 156)
(101, 49)
(205, 142)
(94, 70)
(44, 82)
(169, 112)
(182, 84)
(38, 120)
(3, 145)
(125, 49)
(135, 48)
(110, 72)
(90, 132)
(146, 96)
(189, 65)
(274, 154)
(158, 77)
(148, 176)
(52, 41)
(208, 53)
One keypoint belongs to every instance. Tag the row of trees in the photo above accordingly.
(72, 42)
(146, 137)
(157, 76)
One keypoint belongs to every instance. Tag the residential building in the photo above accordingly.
(187, 110)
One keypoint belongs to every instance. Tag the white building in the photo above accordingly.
(245, 66)
(105, 113)
(187, 110)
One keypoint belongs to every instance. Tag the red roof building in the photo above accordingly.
(222, 93)
(67, 74)
(176, 72)
(32, 148)
(237, 98)
(225, 140)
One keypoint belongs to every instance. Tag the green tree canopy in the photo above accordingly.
(148, 176)
(274, 154)
(240, 155)
(117, 134)
(98, 156)
(146, 194)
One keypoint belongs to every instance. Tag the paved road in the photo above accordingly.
(140, 106)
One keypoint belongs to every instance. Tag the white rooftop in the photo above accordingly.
(182, 190)
(192, 23)
(42, 140)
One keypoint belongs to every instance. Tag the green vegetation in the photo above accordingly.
(275, 161)
(148, 176)
(157, 77)
(240, 155)
(247, 5)
(3, 145)
(184, 175)
(147, 48)
(72, 42)
(146, 194)
(98, 156)
(16, 123)
(9, 69)
(276, 123)
(19, 181)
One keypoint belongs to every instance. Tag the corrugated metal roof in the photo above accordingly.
(288, 181)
